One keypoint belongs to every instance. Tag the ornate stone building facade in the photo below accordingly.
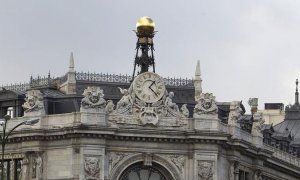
(113, 127)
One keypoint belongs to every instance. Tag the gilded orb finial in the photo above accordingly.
(145, 24)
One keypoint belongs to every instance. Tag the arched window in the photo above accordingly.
(140, 172)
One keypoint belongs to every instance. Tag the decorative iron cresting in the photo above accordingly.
(93, 77)
(126, 79)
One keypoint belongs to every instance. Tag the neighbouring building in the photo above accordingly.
(273, 113)
(141, 127)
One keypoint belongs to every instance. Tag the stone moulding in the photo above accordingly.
(139, 157)
(134, 121)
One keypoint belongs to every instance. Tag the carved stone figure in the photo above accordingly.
(109, 107)
(93, 98)
(184, 110)
(169, 103)
(126, 100)
(235, 113)
(206, 104)
(257, 123)
(91, 167)
(233, 170)
(39, 167)
(257, 175)
(33, 101)
(12, 169)
(205, 170)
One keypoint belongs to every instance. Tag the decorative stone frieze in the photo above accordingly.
(34, 105)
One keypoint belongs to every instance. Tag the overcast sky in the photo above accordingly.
(246, 48)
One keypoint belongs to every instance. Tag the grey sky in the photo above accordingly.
(246, 48)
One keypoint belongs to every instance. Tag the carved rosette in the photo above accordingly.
(93, 98)
(206, 104)
(92, 167)
(205, 170)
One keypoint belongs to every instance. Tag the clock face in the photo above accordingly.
(149, 87)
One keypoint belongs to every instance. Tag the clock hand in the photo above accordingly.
(150, 87)
(151, 84)
(153, 90)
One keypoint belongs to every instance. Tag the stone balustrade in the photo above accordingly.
(282, 155)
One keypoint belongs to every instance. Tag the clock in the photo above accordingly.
(149, 87)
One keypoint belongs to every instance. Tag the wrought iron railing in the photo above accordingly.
(94, 77)
(16, 87)
(80, 76)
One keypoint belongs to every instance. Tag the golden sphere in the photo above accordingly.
(145, 24)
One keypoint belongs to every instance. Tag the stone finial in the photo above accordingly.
(198, 82)
(297, 93)
(69, 86)
(253, 103)
(71, 63)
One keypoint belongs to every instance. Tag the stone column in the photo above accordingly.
(25, 167)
